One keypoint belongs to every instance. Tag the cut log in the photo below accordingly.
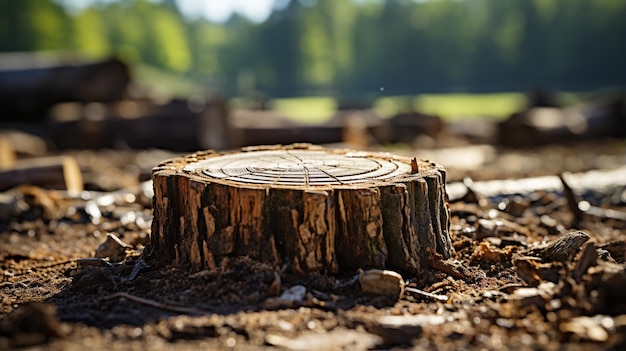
(26, 94)
(56, 172)
(310, 208)
(7, 153)
(182, 125)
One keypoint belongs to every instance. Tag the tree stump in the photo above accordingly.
(310, 208)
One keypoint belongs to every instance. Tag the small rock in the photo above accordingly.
(295, 293)
(291, 297)
(113, 248)
(381, 282)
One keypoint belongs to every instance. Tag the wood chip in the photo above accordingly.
(588, 258)
(562, 249)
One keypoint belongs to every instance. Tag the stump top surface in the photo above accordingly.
(301, 167)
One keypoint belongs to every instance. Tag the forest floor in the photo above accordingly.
(55, 293)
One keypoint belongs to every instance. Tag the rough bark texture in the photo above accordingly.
(302, 206)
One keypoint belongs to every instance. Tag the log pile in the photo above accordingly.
(545, 125)
(141, 124)
(78, 105)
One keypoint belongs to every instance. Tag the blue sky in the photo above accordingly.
(221, 10)
(215, 10)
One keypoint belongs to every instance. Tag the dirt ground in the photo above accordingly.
(501, 292)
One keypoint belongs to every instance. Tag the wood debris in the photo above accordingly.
(113, 248)
(562, 249)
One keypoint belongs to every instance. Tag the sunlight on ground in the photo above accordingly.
(305, 109)
(448, 106)
(455, 106)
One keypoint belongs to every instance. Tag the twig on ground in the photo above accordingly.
(152, 303)
(437, 297)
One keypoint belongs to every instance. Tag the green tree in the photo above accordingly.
(170, 42)
(91, 33)
(33, 25)
(349, 46)
(206, 40)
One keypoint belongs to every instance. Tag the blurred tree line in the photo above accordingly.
(352, 46)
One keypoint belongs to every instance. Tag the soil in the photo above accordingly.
(55, 293)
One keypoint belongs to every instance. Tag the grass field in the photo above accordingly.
(305, 109)
(448, 106)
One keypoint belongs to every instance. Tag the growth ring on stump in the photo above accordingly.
(311, 208)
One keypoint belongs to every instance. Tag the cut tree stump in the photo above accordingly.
(310, 208)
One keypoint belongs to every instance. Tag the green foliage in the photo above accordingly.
(91, 34)
(33, 25)
(403, 47)
(50, 23)
(171, 48)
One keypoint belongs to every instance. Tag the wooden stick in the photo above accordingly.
(437, 297)
(152, 303)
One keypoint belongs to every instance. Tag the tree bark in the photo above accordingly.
(303, 206)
